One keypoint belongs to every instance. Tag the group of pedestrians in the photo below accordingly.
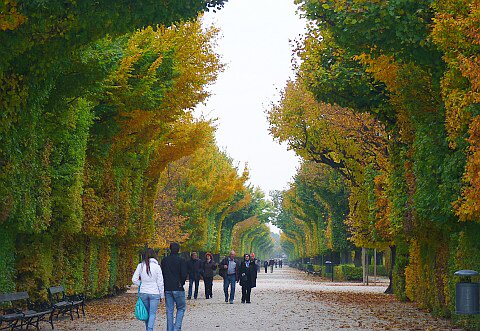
(200, 269)
(272, 263)
(167, 279)
(234, 272)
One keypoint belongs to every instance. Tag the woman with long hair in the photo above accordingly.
(248, 277)
(208, 269)
(148, 276)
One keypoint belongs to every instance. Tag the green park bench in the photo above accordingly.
(65, 304)
(19, 312)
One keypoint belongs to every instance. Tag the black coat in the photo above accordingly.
(250, 273)
(208, 268)
(194, 268)
(174, 270)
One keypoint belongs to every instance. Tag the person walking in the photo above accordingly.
(280, 263)
(194, 268)
(208, 268)
(148, 276)
(248, 277)
(271, 263)
(229, 272)
(255, 262)
(174, 270)
(265, 265)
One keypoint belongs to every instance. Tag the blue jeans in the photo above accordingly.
(190, 287)
(230, 280)
(173, 298)
(151, 303)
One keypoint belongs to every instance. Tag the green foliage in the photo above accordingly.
(413, 65)
(90, 114)
(314, 208)
(381, 270)
(7, 260)
(348, 272)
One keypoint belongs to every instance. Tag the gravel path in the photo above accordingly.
(283, 300)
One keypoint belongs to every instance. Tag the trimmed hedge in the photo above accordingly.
(348, 272)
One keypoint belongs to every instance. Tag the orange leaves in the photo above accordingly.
(168, 223)
(468, 206)
(206, 188)
(240, 228)
(186, 136)
(382, 204)
(10, 18)
(339, 137)
(383, 68)
(457, 32)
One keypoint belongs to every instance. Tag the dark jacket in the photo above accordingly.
(194, 269)
(265, 264)
(174, 270)
(223, 272)
(208, 268)
(256, 263)
(250, 278)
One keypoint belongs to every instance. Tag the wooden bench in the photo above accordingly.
(18, 312)
(65, 304)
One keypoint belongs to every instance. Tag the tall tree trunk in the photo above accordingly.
(357, 259)
(393, 250)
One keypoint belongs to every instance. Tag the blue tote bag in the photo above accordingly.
(141, 312)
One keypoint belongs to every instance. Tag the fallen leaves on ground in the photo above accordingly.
(389, 313)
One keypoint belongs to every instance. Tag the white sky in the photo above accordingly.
(255, 46)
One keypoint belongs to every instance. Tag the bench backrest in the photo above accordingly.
(56, 293)
(16, 296)
(12, 300)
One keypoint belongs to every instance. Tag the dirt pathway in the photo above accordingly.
(283, 300)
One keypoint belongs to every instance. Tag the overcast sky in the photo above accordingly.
(255, 46)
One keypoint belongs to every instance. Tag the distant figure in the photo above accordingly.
(248, 277)
(265, 265)
(208, 268)
(229, 272)
(194, 267)
(271, 264)
(276, 263)
(149, 277)
(174, 270)
(280, 263)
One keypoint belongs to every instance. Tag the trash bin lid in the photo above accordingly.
(466, 273)
(328, 262)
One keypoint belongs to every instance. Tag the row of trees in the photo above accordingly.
(384, 112)
(99, 151)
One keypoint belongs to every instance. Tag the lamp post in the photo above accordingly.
(329, 265)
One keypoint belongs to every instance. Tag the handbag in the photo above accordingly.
(141, 312)
(243, 278)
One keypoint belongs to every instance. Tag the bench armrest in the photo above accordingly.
(75, 297)
(40, 306)
(13, 311)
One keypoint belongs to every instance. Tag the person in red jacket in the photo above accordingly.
(208, 269)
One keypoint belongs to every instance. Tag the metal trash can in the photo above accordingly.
(467, 297)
